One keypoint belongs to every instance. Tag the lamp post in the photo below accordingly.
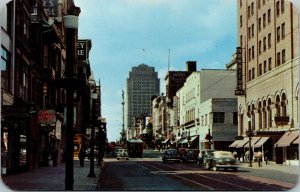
(92, 141)
(249, 135)
(71, 25)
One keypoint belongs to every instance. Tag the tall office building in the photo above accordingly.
(268, 78)
(142, 84)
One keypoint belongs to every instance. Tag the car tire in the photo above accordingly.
(235, 169)
(117, 158)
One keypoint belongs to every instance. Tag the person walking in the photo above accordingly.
(266, 155)
(81, 157)
(259, 158)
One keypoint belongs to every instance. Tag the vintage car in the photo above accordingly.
(170, 155)
(122, 154)
(221, 159)
(190, 155)
(203, 155)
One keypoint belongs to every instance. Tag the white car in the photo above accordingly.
(122, 154)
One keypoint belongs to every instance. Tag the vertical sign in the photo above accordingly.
(51, 7)
(239, 72)
(82, 50)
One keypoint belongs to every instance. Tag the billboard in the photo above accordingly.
(239, 72)
(51, 7)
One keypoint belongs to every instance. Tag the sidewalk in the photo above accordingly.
(52, 179)
(293, 169)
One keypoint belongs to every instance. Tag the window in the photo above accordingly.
(241, 4)
(249, 54)
(252, 52)
(258, 4)
(282, 30)
(264, 42)
(264, 20)
(249, 33)
(283, 56)
(252, 8)
(264, 2)
(270, 63)
(252, 32)
(278, 59)
(259, 69)
(278, 34)
(241, 40)
(249, 11)
(241, 20)
(235, 118)
(202, 120)
(269, 40)
(265, 66)
(5, 69)
(218, 117)
(259, 24)
(259, 47)
(282, 6)
(269, 15)
(277, 8)
(253, 73)
(205, 119)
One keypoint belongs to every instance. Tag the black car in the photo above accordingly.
(221, 159)
(203, 155)
(170, 155)
(190, 155)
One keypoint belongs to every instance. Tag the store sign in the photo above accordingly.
(13, 111)
(51, 7)
(239, 72)
(47, 117)
(82, 49)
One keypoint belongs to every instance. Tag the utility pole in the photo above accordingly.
(123, 137)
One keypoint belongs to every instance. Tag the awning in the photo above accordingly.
(287, 139)
(194, 138)
(180, 140)
(165, 141)
(235, 143)
(242, 143)
(261, 142)
(184, 141)
(296, 141)
(175, 141)
(254, 140)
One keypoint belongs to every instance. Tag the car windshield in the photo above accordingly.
(173, 152)
(223, 154)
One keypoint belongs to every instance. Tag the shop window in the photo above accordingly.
(218, 117)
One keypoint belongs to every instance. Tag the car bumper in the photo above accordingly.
(227, 166)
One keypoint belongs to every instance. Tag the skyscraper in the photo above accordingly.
(142, 84)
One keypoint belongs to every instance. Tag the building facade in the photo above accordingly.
(268, 35)
(142, 84)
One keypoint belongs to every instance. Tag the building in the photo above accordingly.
(142, 84)
(268, 47)
(207, 106)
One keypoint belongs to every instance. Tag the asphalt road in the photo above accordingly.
(149, 173)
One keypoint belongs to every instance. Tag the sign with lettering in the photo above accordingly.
(51, 7)
(14, 111)
(239, 72)
(46, 117)
(82, 50)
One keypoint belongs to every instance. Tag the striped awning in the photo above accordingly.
(287, 139)
(235, 143)
(165, 141)
(254, 140)
(261, 142)
(243, 142)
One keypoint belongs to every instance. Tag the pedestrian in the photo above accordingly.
(259, 158)
(247, 154)
(266, 155)
(54, 157)
(81, 157)
(234, 154)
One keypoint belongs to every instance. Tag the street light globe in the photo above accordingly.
(71, 22)
(94, 96)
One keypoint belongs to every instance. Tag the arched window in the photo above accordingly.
(283, 104)
(269, 108)
(259, 115)
(253, 117)
(277, 105)
(264, 114)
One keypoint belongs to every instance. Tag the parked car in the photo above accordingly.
(203, 155)
(116, 149)
(221, 159)
(122, 154)
(190, 155)
(170, 155)
(181, 152)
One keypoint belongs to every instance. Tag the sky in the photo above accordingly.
(126, 33)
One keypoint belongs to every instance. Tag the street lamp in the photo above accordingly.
(92, 143)
(249, 135)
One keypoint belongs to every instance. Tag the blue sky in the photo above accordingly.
(126, 33)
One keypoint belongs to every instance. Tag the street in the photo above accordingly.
(149, 173)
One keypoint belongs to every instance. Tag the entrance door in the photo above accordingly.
(279, 155)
